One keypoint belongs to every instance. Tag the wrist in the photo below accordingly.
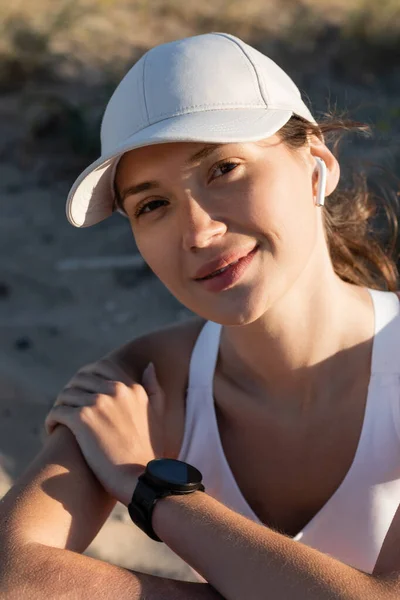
(162, 478)
(165, 509)
(128, 481)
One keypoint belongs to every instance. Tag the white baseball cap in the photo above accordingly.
(206, 88)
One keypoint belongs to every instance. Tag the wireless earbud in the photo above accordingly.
(320, 197)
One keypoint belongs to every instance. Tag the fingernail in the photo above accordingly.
(149, 370)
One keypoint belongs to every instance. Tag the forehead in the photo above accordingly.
(154, 153)
(185, 154)
(180, 150)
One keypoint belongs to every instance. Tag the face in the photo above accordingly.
(228, 199)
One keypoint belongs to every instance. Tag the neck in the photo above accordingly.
(300, 347)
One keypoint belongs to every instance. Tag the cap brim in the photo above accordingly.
(91, 200)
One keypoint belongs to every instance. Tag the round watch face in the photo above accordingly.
(175, 472)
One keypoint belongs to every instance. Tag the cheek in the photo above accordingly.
(284, 212)
(158, 252)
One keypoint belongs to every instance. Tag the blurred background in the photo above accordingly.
(68, 296)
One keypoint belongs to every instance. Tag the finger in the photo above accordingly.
(149, 380)
(75, 397)
(91, 382)
(108, 369)
(152, 386)
(62, 415)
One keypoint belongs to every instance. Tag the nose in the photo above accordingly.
(199, 227)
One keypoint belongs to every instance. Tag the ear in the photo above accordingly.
(318, 148)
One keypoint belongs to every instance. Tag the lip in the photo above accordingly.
(221, 262)
(231, 275)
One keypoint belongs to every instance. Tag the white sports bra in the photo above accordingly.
(353, 523)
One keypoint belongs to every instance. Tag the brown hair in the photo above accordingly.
(360, 253)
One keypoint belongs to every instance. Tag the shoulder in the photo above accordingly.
(169, 349)
(165, 347)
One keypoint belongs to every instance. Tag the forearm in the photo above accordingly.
(244, 560)
(36, 572)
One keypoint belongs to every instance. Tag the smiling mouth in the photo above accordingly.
(232, 264)
(220, 270)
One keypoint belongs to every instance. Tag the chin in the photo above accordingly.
(234, 311)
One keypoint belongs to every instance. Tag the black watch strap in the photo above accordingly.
(142, 505)
(144, 500)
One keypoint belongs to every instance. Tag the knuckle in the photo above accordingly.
(85, 414)
(139, 392)
(118, 388)
(101, 402)
(137, 388)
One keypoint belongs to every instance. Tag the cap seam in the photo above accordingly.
(144, 88)
(110, 156)
(263, 96)
(206, 106)
(199, 111)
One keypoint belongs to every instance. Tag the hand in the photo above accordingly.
(117, 422)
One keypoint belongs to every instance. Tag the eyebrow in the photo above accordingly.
(203, 153)
(151, 185)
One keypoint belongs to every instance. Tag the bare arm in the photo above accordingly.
(58, 501)
(242, 559)
(49, 517)
(45, 573)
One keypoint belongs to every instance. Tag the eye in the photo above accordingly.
(141, 208)
(225, 167)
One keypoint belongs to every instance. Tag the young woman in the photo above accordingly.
(284, 392)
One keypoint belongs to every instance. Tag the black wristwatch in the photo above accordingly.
(162, 477)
